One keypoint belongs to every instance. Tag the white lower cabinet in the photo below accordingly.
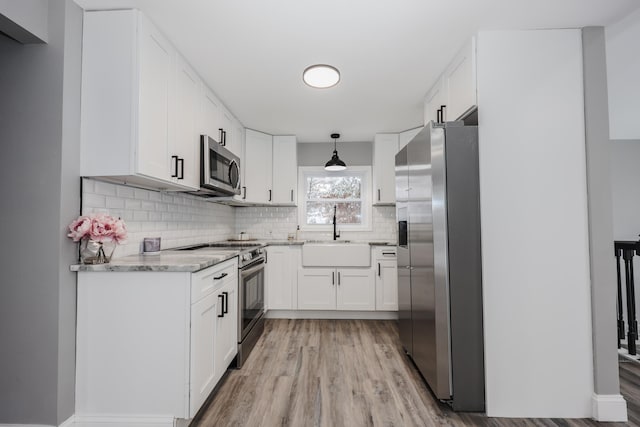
(331, 289)
(280, 277)
(386, 266)
(226, 341)
(203, 339)
(151, 346)
(214, 329)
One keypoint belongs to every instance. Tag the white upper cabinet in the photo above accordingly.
(143, 107)
(433, 102)
(185, 135)
(454, 94)
(257, 187)
(156, 57)
(128, 89)
(407, 136)
(285, 170)
(460, 82)
(385, 147)
(210, 114)
(270, 169)
(228, 133)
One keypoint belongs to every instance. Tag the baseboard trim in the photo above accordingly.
(331, 314)
(609, 407)
(70, 422)
(123, 421)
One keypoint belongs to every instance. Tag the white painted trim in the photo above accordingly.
(124, 420)
(331, 314)
(609, 407)
(70, 422)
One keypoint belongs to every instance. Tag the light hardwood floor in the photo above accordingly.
(348, 373)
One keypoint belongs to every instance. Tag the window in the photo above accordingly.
(347, 191)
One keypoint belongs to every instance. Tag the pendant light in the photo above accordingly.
(335, 164)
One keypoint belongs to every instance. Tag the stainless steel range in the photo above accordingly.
(251, 263)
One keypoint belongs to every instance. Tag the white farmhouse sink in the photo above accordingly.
(336, 254)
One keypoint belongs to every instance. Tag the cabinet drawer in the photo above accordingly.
(385, 252)
(208, 280)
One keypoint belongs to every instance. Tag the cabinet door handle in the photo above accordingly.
(244, 190)
(174, 174)
(292, 195)
(220, 296)
(181, 162)
(333, 278)
(438, 116)
(338, 278)
(223, 275)
(225, 306)
(388, 253)
(221, 136)
(379, 270)
(224, 138)
(442, 113)
(269, 195)
(378, 194)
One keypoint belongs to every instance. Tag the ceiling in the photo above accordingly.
(389, 52)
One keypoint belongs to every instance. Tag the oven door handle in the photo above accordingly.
(258, 266)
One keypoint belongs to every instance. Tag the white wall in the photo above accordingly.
(538, 349)
(623, 77)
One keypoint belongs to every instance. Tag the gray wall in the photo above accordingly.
(39, 182)
(602, 267)
(24, 20)
(625, 176)
(319, 153)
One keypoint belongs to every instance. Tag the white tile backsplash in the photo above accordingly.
(182, 219)
(179, 219)
(278, 222)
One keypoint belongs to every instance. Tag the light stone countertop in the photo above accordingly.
(184, 261)
(167, 260)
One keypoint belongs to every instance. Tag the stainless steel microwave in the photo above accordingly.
(220, 171)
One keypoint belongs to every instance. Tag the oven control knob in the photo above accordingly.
(246, 257)
(260, 251)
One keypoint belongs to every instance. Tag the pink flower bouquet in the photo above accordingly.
(98, 227)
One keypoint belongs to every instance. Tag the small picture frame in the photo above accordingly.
(151, 246)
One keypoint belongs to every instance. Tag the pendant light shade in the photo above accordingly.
(335, 164)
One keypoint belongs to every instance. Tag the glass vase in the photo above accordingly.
(92, 252)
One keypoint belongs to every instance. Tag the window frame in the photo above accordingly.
(363, 171)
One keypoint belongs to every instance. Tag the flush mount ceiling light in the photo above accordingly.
(335, 164)
(321, 76)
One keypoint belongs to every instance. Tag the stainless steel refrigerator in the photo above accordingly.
(439, 261)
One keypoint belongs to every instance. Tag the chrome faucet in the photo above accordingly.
(335, 233)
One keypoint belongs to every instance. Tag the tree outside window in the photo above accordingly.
(347, 191)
